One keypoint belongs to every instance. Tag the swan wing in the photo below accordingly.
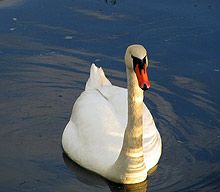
(151, 140)
(94, 135)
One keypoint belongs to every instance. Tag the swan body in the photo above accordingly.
(111, 131)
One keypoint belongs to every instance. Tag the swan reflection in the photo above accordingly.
(87, 177)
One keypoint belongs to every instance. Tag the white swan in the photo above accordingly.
(111, 131)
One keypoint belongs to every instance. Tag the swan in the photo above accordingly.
(111, 131)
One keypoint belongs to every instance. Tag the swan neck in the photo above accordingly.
(130, 166)
(134, 131)
(135, 102)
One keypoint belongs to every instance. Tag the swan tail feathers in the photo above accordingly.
(97, 78)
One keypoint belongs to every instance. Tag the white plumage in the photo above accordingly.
(94, 135)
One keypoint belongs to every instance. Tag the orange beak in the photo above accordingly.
(142, 77)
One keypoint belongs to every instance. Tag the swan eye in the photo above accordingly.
(144, 60)
(140, 62)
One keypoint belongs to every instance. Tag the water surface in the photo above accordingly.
(46, 49)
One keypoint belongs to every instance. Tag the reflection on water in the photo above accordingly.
(93, 179)
(11, 3)
(196, 94)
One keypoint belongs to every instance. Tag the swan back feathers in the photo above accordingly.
(97, 78)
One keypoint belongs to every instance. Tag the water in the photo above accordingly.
(46, 48)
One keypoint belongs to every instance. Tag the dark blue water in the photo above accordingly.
(46, 49)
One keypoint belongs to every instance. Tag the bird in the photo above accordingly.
(111, 131)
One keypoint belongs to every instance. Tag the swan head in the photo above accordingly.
(136, 60)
